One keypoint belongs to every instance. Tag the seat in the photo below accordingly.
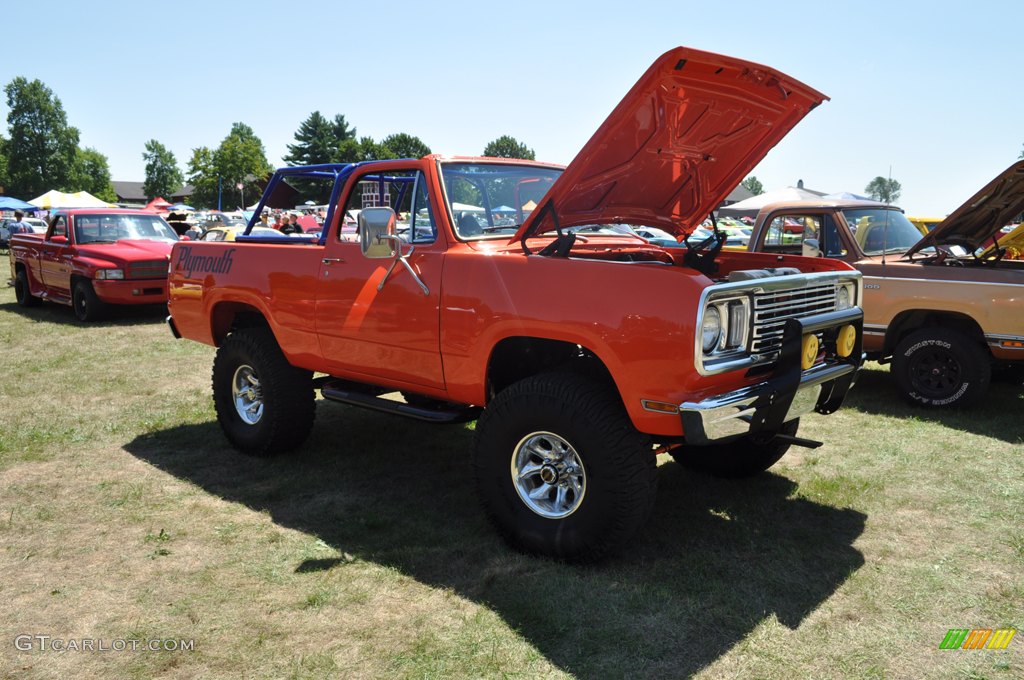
(468, 225)
(875, 240)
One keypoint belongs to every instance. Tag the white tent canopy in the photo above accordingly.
(753, 204)
(58, 199)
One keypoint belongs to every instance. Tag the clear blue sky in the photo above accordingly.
(930, 89)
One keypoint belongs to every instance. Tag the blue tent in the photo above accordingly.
(503, 209)
(8, 203)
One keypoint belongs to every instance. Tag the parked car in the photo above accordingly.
(219, 219)
(925, 224)
(943, 308)
(229, 233)
(549, 336)
(93, 257)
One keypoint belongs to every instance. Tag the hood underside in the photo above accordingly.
(682, 138)
(985, 213)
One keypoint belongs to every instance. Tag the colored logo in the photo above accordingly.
(977, 638)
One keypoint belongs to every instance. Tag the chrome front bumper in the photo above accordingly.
(788, 392)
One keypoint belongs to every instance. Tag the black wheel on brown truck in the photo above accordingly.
(743, 457)
(560, 469)
(265, 405)
(940, 367)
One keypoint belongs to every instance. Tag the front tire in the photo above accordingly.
(265, 405)
(938, 367)
(745, 457)
(22, 292)
(560, 469)
(88, 307)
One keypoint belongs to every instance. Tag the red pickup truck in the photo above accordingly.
(508, 291)
(89, 258)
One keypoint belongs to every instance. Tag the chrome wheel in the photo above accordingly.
(548, 475)
(247, 395)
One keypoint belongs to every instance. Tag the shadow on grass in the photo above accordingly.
(115, 315)
(997, 414)
(716, 559)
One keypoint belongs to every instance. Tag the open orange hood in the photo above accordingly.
(682, 138)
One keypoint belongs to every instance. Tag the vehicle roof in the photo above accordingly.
(826, 203)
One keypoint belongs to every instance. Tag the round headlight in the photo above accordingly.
(843, 298)
(711, 329)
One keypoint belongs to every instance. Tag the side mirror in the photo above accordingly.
(376, 227)
(811, 248)
(58, 239)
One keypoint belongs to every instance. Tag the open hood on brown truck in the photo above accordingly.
(982, 215)
(682, 138)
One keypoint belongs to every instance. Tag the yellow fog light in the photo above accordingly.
(810, 351)
(845, 340)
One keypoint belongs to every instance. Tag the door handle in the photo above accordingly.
(332, 260)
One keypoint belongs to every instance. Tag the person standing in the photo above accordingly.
(18, 226)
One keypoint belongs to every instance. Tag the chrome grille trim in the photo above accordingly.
(773, 308)
(781, 298)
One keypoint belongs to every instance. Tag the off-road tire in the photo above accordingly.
(743, 457)
(87, 306)
(941, 368)
(22, 292)
(619, 463)
(285, 392)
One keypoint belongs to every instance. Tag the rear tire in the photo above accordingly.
(938, 367)
(22, 292)
(744, 457)
(87, 306)
(265, 405)
(560, 469)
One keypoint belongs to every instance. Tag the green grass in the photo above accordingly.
(124, 513)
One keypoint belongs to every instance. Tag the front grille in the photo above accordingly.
(147, 269)
(773, 308)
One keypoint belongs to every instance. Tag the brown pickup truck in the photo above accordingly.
(944, 309)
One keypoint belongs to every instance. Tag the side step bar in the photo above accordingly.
(442, 416)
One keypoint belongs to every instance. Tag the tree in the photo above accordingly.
(403, 145)
(204, 178)
(3, 165)
(1021, 154)
(884, 190)
(363, 150)
(240, 159)
(42, 150)
(753, 185)
(163, 178)
(316, 141)
(509, 147)
(92, 174)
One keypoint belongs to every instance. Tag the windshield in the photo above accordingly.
(114, 227)
(878, 230)
(493, 199)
